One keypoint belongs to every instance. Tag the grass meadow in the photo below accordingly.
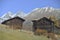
(9, 34)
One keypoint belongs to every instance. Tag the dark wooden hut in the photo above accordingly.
(14, 23)
(43, 23)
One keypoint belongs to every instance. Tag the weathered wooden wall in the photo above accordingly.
(15, 23)
(44, 23)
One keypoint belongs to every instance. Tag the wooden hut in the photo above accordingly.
(14, 23)
(44, 24)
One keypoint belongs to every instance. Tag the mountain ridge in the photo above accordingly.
(34, 14)
(44, 11)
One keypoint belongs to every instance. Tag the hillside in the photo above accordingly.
(43, 12)
(9, 34)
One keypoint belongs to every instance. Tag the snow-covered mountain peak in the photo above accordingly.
(43, 12)
(34, 14)
(48, 9)
(44, 8)
(20, 14)
(7, 15)
(10, 15)
(35, 9)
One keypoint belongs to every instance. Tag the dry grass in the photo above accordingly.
(9, 34)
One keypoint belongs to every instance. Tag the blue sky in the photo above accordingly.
(26, 5)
